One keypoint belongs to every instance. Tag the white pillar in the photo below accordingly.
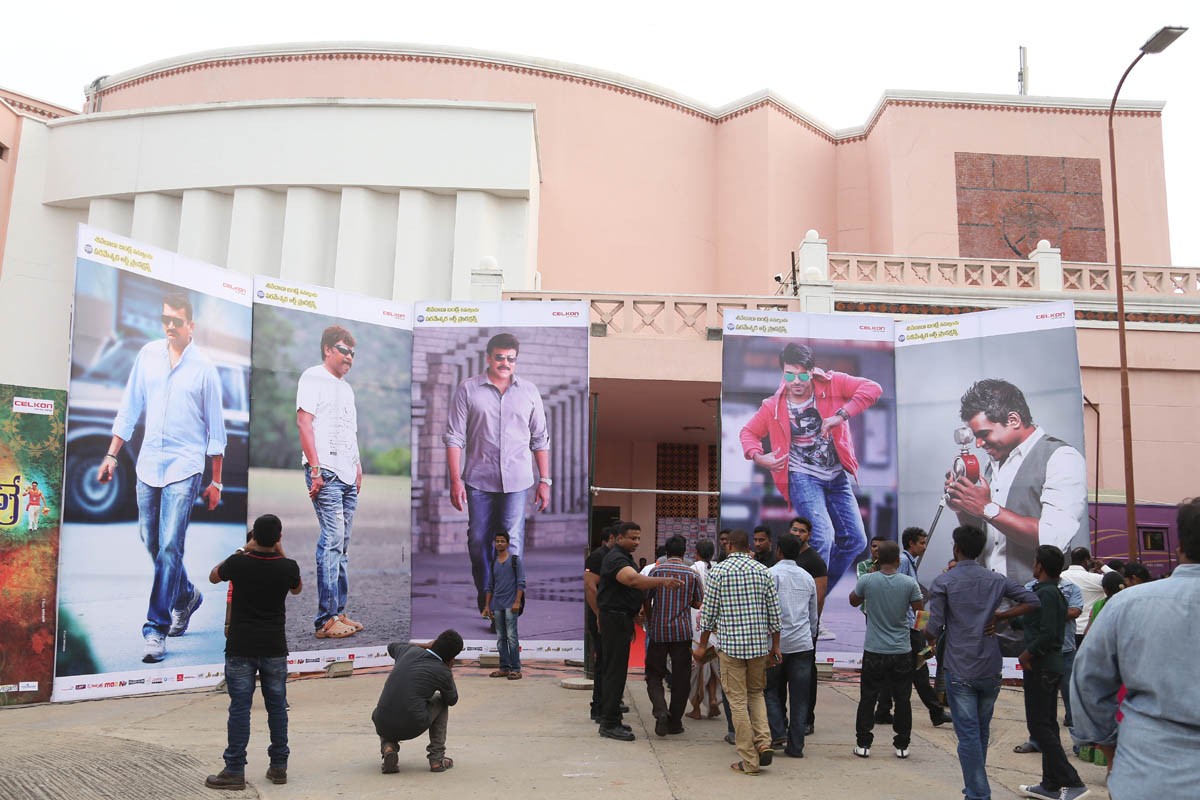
(111, 214)
(1049, 261)
(474, 237)
(204, 225)
(156, 220)
(814, 258)
(310, 228)
(366, 242)
(256, 231)
(424, 245)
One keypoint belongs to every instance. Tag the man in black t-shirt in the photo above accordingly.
(591, 585)
(257, 646)
(619, 599)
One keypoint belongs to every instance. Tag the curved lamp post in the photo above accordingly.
(1155, 44)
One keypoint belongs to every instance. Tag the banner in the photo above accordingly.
(31, 465)
(487, 460)
(997, 395)
(158, 408)
(808, 430)
(330, 454)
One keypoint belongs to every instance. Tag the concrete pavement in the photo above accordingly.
(530, 738)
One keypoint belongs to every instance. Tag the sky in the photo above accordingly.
(833, 61)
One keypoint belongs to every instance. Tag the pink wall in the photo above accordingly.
(10, 135)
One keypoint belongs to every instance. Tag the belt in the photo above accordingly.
(618, 611)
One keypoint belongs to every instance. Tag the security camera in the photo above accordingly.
(779, 277)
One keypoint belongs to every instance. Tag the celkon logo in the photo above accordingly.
(564, 313)
(235, 289)
(395, 314)
(32, 405)
(872, 328)
(1055, 315)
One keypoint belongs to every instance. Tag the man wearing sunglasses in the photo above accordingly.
(177, 388)
(495, 434)
(812, 458)
(328, 422)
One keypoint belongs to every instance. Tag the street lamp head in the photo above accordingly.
(1163, 39)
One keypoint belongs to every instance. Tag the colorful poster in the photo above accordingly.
(154, 491)
(32, 424)
(500, 398)
(994, 397)
(808, 431)
(330, 454)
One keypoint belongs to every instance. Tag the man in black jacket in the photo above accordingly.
(416, 698)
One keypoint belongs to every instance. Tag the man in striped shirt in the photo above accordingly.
(742, 605)
(669, 629)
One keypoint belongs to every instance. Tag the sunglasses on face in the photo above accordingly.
(791, 377)
(169, 321)
(499, 359)
(346, 351)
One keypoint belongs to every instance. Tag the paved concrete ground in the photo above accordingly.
(509, 739)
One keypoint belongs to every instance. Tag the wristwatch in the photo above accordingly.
(991, 511)
(843, 413)
(315, 469)
(546, 481)
(220, 488)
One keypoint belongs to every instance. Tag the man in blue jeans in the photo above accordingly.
(504, 600)
(797, 637)
(175, 388)
(328, 423)
(256, 645)
(812, 460)
(495, 434)
(963, 604)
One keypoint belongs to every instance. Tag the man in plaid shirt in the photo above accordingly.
(669, 630)
(742, 605)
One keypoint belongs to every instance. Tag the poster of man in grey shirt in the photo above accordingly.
(495, 435)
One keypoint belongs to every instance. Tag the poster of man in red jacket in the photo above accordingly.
(811, 455)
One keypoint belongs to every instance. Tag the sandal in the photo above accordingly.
(514, 676)
(740, 766)
(1025, 747)
(500, 673)
(765, 757)
(441, 765)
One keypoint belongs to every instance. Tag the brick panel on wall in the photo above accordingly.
(678, 468)
(1007, 203)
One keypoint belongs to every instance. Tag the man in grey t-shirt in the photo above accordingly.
(887, 653)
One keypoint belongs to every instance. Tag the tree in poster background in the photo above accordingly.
(31, 449)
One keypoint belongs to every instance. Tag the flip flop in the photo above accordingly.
(441, 765)
(765, 757)
(1025, 747)
(500, 673)
(740, 766)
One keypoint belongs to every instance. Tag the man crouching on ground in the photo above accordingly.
(417, 698)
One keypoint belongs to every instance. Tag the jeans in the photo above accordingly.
(616, 631)
(1041, 714)
(335, 505)
(506, 639)
(680, 654)
(488, 513)
(239, 677)
(837, 526)
(789, 679)
(890, 674)
(163, 516)
(744, 680)
(971, 703)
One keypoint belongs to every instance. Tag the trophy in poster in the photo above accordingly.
(965, 465)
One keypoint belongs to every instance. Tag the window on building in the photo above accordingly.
(1153, 538)
(3, 152)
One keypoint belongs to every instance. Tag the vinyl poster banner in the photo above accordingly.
(995, 396)
(330, 454)
(488, 460)
(154, 491)
(32, 423)
(808, 429)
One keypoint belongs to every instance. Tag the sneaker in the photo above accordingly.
(234, 781)
(862, 752)
(156, 648)
(1073, 792)
(901, 752)
(334, 628)
(617, 732)
(825, 634)
(277, 774)
(358, 626)
(1037, 790)
(181, 618)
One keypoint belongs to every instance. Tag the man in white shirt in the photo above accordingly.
(1033, 490)
(328, 423)
(1088, 582)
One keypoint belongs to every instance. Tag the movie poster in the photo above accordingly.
(994, 399)
(330, 454)
(154, 490)
(32, 426)
(808, 430)
(500, 398)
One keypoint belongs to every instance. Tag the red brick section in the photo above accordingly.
(1006, 203)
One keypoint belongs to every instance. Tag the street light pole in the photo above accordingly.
(1155, 44)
